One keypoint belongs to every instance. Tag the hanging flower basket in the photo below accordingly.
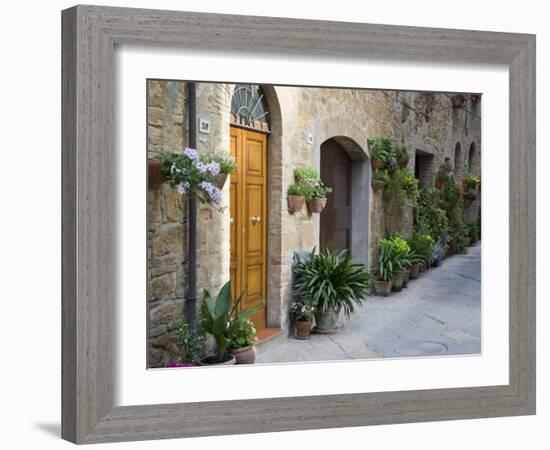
(220, 180)
(377, 164)
(316, 205)
(296, 203)
(378, 185)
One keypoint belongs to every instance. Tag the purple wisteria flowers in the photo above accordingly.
(213, 192)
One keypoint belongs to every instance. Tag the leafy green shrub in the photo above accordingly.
(299, 189)
(471, 182)
(381, 148)
(401, 153)
(190, 342)
(319, 190)
(473, 231)
(422, 244)
(302, 311)
(381, 175)
(302, 173)
(243, 332)
(331, 281)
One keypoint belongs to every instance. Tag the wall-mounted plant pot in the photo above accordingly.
(467, 203)
(402, 162)
(316, 205)
(220, 180)
(378, 185)
(458, 101)
(296, 203)
(438, 184)
(377, 164)
(303, 329)
(154, 174)
(382, 287)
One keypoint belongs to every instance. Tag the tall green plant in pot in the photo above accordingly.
(333, 283)
(219, 317)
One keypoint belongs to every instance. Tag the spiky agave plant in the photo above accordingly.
(332, 281)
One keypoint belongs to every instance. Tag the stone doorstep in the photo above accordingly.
(267, 335)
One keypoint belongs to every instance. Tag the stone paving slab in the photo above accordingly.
(438, 314)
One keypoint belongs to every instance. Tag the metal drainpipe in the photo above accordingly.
(191, 294)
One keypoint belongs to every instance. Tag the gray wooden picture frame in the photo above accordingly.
(90, 34)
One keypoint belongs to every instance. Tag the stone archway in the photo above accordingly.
(355, 142)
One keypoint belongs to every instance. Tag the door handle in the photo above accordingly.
(255, 220)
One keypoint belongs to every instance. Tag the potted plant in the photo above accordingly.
(401, 154)
(303, 314)
(381, 152)
(332, 282)
(154, 173)
(379, 179)
(227, 165)
(192, 175)
(318, 197)
(243, 336)
(401, 250)
(297, 197)
(190, 343)
(458, 101)
(383, 281)
(217, 318)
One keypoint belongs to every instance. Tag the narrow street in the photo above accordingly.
(438, 314)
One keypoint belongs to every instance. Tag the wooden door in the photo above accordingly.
(248, 208)
(335, 232)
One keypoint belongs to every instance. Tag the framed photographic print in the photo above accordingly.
(270, 231)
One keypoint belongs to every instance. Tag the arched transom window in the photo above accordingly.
(249, 107)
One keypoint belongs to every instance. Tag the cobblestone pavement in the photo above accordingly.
(438, 314)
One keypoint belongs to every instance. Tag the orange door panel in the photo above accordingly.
(248, 200)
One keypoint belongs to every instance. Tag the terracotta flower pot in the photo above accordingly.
(415, 270)
(467, 203)
(402, 162)
(316, 205)
(406, 278)
(378, 185)
(220, 180)
(244, 355)
(438, 184)
(154, 173)
(397, 283)
(296, 203)
(377, 163)
(303, 329)
(210, 360)
(382, 287)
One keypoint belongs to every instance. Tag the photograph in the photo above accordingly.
(300, 224)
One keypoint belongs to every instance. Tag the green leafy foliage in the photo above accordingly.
(422, 245)
(243, 332)
(190, 342)
(299, 189)
(381, 175)
(381, 148)
(473, 231)
(331, 281)
(303, 173)
(470, 181)
(304, 310)
(219, 315)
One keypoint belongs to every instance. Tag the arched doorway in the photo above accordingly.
(249, 130)
(336, 171)
(458, 160)
(472, 162)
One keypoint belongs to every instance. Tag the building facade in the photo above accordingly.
(253, 238)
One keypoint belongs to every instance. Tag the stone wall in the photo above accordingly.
(425, 122)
